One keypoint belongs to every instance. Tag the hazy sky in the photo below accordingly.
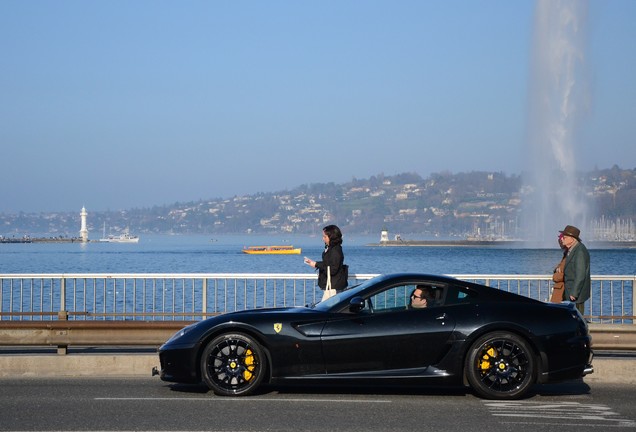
(122, 104)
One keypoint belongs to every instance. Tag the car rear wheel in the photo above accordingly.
(232, 365)
(500, 365)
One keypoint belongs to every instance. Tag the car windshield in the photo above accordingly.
(347, 293)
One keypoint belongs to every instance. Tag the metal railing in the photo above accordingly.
(611, 300)
(179, 297)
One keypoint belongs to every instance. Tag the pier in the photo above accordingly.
(494, 241)
(27, 239)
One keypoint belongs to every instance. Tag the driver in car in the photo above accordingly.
(421, 297)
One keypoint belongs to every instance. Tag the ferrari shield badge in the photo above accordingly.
(278, 327)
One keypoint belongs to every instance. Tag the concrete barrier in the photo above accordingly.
(606, 370)
(613, 370)
(615, 337)
(77, 365)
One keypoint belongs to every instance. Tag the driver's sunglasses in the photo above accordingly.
(419, 297)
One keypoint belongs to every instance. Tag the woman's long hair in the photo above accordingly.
(334, 234)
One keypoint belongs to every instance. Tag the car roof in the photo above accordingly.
(485, 292)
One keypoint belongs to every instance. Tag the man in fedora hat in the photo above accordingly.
(577, 268)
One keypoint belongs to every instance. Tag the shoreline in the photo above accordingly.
(495, 243)
(42, 240)
(520, 244)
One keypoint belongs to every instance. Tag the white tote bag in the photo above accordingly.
(329, 292)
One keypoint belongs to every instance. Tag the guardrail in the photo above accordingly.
(611, 301)
(151, 296)
(156, 296)
(137, 309)
(62, 334)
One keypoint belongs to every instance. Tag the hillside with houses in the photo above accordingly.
(442, 205)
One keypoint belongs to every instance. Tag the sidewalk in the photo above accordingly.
(608, 369)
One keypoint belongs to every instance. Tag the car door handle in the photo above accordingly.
(441, 317)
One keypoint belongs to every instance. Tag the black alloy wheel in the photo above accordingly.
(233, 365)
(500, 365)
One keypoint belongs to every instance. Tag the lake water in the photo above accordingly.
(201, 254)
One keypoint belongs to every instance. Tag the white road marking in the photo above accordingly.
(241, 399)
(558, 413)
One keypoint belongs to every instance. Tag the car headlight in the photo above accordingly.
(181, 333)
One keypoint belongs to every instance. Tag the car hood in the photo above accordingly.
(253, 316)
(264, 311)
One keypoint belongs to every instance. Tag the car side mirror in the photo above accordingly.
(356, 304)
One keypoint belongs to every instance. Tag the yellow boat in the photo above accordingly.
(271, 250)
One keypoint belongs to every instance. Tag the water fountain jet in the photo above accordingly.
(556, 100)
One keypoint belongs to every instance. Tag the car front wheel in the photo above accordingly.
(500, 365)
(232, 365)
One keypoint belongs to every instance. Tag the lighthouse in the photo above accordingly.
(83, 230)
(384, 235)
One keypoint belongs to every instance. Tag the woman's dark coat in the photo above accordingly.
(333, 258)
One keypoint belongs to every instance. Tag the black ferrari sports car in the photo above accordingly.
(496, 342)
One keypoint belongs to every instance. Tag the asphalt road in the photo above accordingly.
(148, 404)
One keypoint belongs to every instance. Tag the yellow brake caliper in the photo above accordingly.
(249, 365)
(484, 362)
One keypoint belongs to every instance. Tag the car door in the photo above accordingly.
(391, 336)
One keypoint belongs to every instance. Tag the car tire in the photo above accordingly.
(500, 365)
(233, 364)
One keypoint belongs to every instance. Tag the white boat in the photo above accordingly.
(122, 238)
(125, 237)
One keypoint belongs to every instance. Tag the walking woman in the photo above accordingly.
(332, 261)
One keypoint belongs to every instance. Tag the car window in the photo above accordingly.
(399, 297)
(392, 299)
(459, 295)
